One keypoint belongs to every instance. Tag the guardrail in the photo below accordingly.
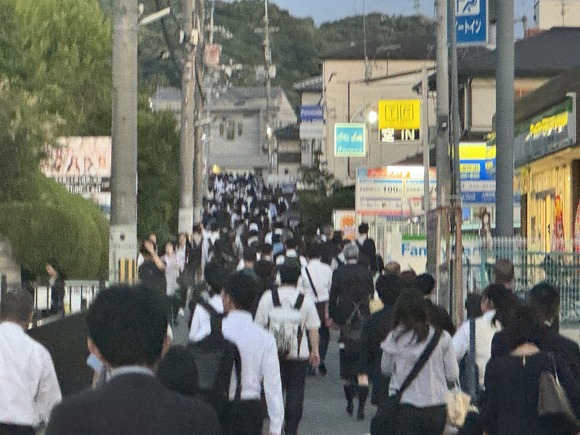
(78, 295)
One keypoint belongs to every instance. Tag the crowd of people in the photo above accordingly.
(262, 305)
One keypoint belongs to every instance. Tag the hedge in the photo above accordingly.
(54, 224)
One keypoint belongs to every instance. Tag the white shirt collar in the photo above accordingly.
(131, 369)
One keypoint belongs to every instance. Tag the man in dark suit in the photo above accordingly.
(545, 299)
(367, 248)
(128, 333)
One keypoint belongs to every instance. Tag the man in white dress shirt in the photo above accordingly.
(315, 281)
(28, 385)
(259, 356)
(293, 368)
(215, 275)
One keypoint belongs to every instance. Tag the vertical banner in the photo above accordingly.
(558, 243)
(345, 221)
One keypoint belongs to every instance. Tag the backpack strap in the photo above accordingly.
(473, 382)
(299, 301)
(276, 298)
(215, 318)
(297, 306)
(238, 372)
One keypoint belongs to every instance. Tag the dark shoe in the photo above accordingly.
(363, 393)
(311, 371)
(349, 408)
(322, 369)
(349, 393)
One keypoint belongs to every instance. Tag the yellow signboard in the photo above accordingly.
(400, 114)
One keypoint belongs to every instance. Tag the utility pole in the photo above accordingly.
(442, 145)
(123, 230)
(199, 126)
(186, 151)
(268, 61)
(425, 141)
(504, 116)
(455, 218)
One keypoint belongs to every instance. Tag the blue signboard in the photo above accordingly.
(311, 113)
(349, 140)
(471, 22)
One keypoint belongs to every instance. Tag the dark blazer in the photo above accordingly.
(510, 405)
(354, 281)
(375, 331)
(551, 341)
(329, 251)
(133, 404)
(369, 250)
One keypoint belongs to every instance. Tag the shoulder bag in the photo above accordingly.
(385, 421)
(553, 403)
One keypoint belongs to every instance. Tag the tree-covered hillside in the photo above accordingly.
(297, 44)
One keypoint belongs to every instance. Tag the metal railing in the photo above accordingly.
(532, 265)
(78, 295)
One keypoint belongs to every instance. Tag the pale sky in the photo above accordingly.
(332, 10)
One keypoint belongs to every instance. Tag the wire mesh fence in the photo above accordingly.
(532, 265)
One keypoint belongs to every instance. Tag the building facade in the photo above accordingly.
(240, 137)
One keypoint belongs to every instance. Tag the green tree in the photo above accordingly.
(158, 172)
(24, 131)
(60, 52)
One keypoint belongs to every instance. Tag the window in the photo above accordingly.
(239, 128)
(231, 130)
(222, 128)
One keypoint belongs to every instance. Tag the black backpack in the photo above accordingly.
(351, 332)
(215, 358)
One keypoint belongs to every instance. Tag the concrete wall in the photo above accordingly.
(481, 104)
(558, 13)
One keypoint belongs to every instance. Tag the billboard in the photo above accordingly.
(349, 140)
(399, 120)
(395, 191)
(83, 165)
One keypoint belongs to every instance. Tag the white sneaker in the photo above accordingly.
(181, 312)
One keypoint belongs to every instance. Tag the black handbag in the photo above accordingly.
(385, 420)
(553, 403)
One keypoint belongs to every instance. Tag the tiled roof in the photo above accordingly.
(547, 95)
(547, 53)
(313, 84)
(238, 94)
(289, 132)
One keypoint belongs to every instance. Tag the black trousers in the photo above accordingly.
(293, 374)
(324, 339)
(421, 421)
(245, 417)
(14, 429)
